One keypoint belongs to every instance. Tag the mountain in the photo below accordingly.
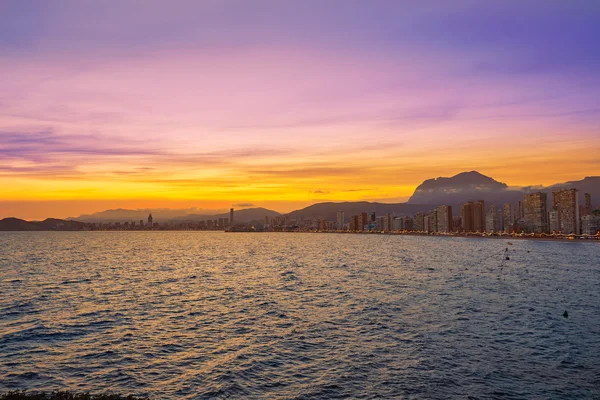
(165, 215)
(245, 215)
(50, 224)
(589, 184)
(329, 210)
(453, 191)
(53, 224)
(469, 186)
(16, 224)
(461, 188)
(124, 215)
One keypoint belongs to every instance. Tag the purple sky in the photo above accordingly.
(287, 103)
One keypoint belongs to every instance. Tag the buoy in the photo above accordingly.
(566, 314)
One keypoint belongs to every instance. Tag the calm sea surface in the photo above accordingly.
(183, 315)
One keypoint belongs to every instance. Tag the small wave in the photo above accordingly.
(72, 281)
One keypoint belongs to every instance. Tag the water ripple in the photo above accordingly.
(186, 315)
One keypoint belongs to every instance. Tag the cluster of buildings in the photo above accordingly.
(217, 224)
(533, 215)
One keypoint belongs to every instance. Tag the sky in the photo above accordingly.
(281, 104)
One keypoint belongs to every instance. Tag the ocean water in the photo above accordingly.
(185, 315)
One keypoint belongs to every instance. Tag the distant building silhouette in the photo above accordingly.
(444, 219)
(340, 220)
(535, 207)
(150, 220)
(566, 202)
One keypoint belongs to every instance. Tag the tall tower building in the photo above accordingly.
(231, 216)
(587, 205)
(340, 220)
(431, 225)
(508, 217)
(444, 219)
(492, 219)
(553, 220)
(364, 220)
(567, 204)
(479, 216)
(466, 214)
(150, 220)
(520, 210)
(419, 223)
(535, 207)
(355, 224)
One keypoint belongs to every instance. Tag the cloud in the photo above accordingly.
(319, 191)
(243, 205)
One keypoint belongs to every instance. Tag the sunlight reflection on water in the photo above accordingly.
(251, 315)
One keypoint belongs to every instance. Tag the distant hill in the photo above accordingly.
(245, 215)
(469, 186)
(329, 210)
(16, 224)
(125, 215)
(459, 189)
(453, 191)
(590, 184)
(165, 215)
(50, 224)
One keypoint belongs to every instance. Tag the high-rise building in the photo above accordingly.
(390, 223)
(432, 222)
(340, 220)
(372, 220)
(444, 219)
(479, 216)
(508, 218)
(364, 220)
(419, 223)
(457, 223)
(493, 221)
(466, 214)
(567, 204)
(535, 207)
(231, 216)
(150, 220)
(554, 220)
(398, 224)
(355, 223)
(520, 210)
(587, 205)
(590, 224)
(379, 222)
(408, 223)
(426, 224)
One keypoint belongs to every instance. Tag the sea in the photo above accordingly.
(203, 315)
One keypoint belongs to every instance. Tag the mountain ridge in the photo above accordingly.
(454, 191)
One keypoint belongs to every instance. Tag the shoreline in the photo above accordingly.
(571, 238)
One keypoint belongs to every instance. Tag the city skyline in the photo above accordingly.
(284, 105)
(567, 216)
(455, 190)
